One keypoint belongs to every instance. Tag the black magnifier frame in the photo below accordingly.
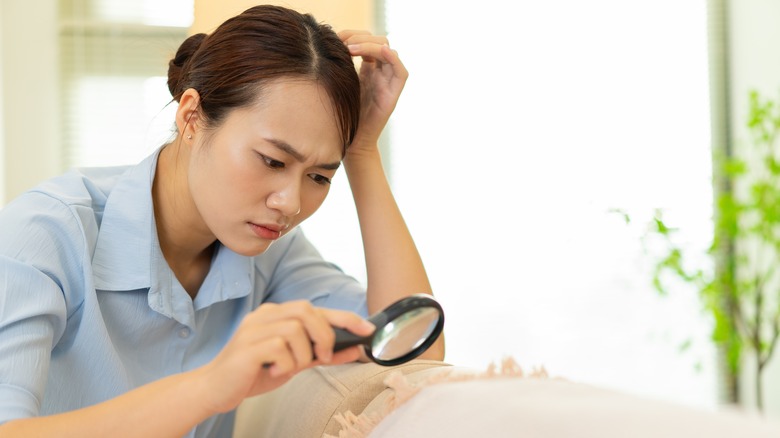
(404, 306)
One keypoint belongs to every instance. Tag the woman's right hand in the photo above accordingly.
(283, 335)
(272, 344)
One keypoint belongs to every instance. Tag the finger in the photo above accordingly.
(399, 69)
(347, 33)
(368, 50)
(383, 54)
(347, 355)
(349, 321)
(317, 328)
(299, 309)
(391, 57)
(275, 351)
(318, 324)
(367, 39)
(299, 345)
(266, 312)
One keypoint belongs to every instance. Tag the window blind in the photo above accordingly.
(113, 68)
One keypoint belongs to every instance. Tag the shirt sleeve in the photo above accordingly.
(298, 271)
(32, 316)
(41, 244)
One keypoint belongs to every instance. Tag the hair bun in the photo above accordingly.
(175, 66)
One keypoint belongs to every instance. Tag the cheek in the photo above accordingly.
(225, 181)
(238, 169)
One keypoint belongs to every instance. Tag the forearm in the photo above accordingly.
(394, 267)
(169, 407)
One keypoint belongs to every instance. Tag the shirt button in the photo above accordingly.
(184, 333)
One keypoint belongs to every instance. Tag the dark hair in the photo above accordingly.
(229, 67)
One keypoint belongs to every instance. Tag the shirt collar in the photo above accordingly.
(128, 257)
(122, 257)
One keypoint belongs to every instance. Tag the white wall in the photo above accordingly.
(354, 14)
(30, 95)
(514, 138)
(755, 65)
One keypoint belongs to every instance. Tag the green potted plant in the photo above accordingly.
(740, 288)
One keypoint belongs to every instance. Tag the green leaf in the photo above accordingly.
(622, 213)
(772, 165)
(734, 167)
(661, 227)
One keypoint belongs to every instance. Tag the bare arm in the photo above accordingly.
(168, 407)
(278, 334)
(393, 264)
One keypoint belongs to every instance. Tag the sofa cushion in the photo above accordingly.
(452, 404)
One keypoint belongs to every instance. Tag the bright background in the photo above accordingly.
(522, 126)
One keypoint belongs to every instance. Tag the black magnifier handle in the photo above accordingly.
(346, 339)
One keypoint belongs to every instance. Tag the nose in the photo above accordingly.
(286, 200)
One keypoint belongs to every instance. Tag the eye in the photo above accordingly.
(319, 179)
(270, 162)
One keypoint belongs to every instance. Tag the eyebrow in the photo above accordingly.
(286, 148)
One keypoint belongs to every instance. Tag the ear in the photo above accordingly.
(188, 114)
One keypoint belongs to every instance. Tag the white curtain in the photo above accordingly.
(522, 125)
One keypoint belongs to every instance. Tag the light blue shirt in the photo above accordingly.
(89, 308)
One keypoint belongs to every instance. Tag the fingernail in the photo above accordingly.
(367, 326)
(353, 47)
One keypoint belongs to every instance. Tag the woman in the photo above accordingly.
(151, 300)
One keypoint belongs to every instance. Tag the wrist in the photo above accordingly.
(195, 384)
(358, 153)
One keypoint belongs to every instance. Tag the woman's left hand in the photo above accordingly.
(382, 78)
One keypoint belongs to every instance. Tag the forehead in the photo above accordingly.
(296, 89)
(297, 111)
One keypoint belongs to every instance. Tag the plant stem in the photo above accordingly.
(760, 384)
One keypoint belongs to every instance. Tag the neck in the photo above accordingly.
(185, 240)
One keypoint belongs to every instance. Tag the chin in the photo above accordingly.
(249, 250)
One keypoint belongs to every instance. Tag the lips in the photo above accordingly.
(267, 231)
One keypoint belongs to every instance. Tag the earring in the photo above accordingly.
(189, 137)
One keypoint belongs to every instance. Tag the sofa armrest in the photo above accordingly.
(306, 405)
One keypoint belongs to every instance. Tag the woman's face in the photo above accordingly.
(267, 167)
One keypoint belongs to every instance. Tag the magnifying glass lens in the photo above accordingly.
(404, 330)
(404, 334)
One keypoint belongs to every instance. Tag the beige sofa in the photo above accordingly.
(308, 404)
(431, 399)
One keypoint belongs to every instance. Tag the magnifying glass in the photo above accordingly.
(404, 330)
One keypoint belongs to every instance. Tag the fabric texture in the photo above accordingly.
(506, 406)
(429, 399)
(307, 405)
(402, 387)
(89, 309)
